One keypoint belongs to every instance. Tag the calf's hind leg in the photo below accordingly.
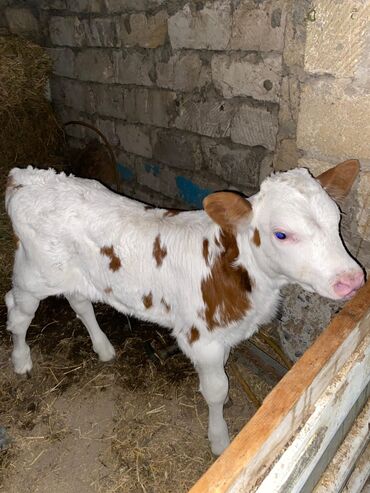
(85, 312)
(209, 362)
(21, 309)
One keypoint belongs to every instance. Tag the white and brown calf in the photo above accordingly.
(212, 277)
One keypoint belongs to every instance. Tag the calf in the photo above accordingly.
(212, 277)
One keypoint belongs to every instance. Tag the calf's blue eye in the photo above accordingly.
(279, 235)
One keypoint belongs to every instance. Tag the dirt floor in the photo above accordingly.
(78, 425)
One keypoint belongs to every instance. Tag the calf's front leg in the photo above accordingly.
(209, 362)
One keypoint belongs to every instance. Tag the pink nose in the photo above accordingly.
(347, 284)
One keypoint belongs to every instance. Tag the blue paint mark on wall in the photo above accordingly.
(191, 192)
(153, 169)
(125, 173)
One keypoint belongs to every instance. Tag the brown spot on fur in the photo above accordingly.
(171, 212)
(166, 305)
(256, 238)
(225, 289)
(159, 252)
(11, 184)
(206, 250)
(193, 335)
(115, 262)
(17, 240)
(108, 290)
(148, 300)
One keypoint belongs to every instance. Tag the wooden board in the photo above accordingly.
(284, 410)
(297, 465)
(344, 462)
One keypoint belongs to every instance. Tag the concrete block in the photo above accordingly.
(290, 93)
(108, 129)
(133, 68)
(142, 30)
(287, 155)
(88, 6)
(295, 33)
(339, 29)
(254, 127)
(183, 72)
(71, 31)
(126, 168)
(74, 94)
(66, 114)
(201, 28)
(193, 190)
(334, 120)
(99, 32)
(303, 317)
(109, 100)
(177, 149)
(94, 65)
(157, 177)
(152, 107)
(248, 75)
(363, 213)
(316, 166)
(53, 4)
(266, 166)
(259, 27)
(63, 61)
(234, 164)
(135, 139)
(119, 6)
(66, 31)
(210, 118)
(147, 196)
(21, 21)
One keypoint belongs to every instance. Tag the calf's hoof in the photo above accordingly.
(106, 352)
(22, 362)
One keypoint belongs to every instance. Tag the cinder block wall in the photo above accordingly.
(187, 92)
(324, 120)
(325, 101)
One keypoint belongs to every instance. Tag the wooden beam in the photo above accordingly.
(296, 466)
(344, 462)
(256, 447)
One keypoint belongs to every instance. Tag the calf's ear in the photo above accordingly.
(229, 210)
(338, 181)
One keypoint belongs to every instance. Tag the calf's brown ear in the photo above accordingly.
(227, 209)
(338, 181)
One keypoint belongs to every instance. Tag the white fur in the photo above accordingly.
(63, 222)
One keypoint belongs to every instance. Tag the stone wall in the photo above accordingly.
(21, 18)
(324, 120)
(187, 92)
(333, 122)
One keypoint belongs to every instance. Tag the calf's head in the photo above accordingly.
(291, 227)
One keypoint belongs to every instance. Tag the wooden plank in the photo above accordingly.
(336, 441)
(296, 464)
(360, 473)
(257, 445)
(343, 463)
